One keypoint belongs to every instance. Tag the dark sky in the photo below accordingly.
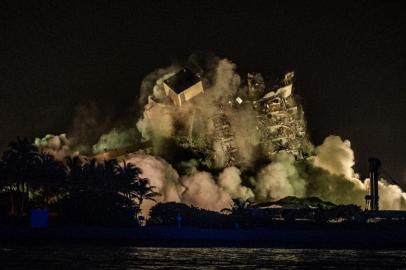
(349, 60)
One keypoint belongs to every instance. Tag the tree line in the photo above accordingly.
(245, 214)
(79, 190)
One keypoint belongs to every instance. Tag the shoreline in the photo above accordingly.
(168, 236)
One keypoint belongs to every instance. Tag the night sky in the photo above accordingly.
(349, 60)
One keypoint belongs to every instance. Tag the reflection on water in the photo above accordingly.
(118, 257)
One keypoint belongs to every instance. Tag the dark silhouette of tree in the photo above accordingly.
(103, 192)
(19, 162)
(144, 191)
(48, 180)
(3, 188)
(137, 187)
(127, 176)
(82, 190)
(74, 173)
(92, 196)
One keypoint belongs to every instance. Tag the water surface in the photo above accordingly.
(75, 256)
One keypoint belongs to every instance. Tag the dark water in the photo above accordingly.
(118, 257)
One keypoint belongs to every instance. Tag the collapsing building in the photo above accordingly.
(207, 125)
(183, 86)
(225, 140)
(281, 121)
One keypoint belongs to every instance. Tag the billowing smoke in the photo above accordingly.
(284, 176)
(153, 83)
(191, 125)
(335, 156)
(230, 180)
(116, 139)
(230, 143)
(327, 172)
(202, 191)
(331, 177)
(198, 188)
(57, 145)
(390, 196)
(161, 175)
(280, 179)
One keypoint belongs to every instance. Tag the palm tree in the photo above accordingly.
(108, 175)
(135, 187)
(49, 179)
(104, 192)
(145, 191)
(74, 165)
(19, 161)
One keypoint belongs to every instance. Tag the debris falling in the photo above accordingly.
(207, 135)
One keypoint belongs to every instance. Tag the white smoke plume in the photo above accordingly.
(57, 145)
(202, 191)
(283, 177)
(328, 173)
(191, 123)
(230, 180)
(198, 189)
(335, 156)
(152, 84)
(161, 175)
(209, 181)
(227, 81)
(157, 122)
(116, 139)
(279, 179)
(390, 196)
(336, 181)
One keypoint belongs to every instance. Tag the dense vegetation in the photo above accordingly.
(78, 190)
